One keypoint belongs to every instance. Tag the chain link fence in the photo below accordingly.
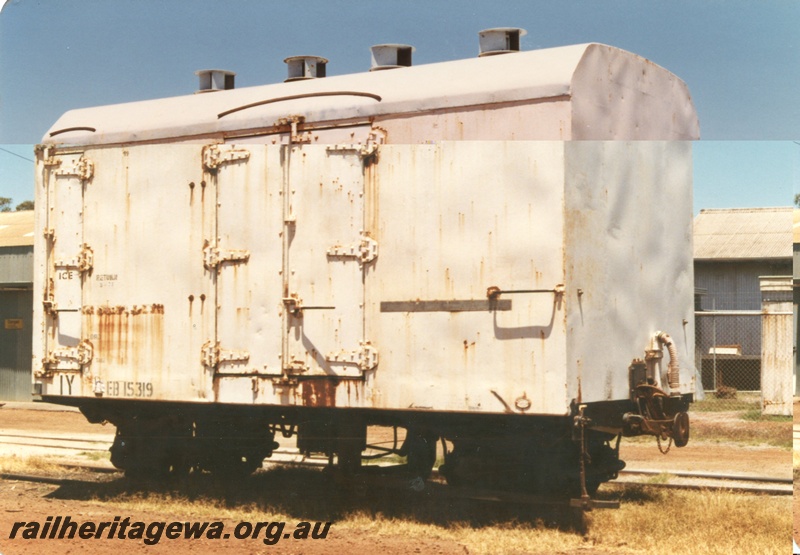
(735, 349)
(728, 359)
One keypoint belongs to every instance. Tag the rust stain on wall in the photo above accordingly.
(125, 338)
(319, 393)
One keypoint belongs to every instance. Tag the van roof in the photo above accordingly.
(614, 95)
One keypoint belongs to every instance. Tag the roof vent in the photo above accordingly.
(305, 67)
(390, 56)
(215, 80)
(500, 40)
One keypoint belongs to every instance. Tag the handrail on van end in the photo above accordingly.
(494, 292)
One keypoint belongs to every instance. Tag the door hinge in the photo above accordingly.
(212, 355)
(69, 358)
(365, 357)
(215, 155)
(213, 256)
(83, 261)
(364, 251)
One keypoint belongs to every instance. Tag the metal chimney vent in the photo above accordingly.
(305, 67)
(390, 56)
(500, 40)
(215, 80)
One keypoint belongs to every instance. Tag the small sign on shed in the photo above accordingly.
(13, 324)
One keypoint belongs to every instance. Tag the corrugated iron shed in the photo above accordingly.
(16, 229)
(743, 233)
(796, 227)
(16, 301)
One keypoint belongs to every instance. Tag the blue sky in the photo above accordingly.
(740, 59)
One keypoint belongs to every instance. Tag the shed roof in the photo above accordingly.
(796, 227)
(743, 233)
(16, 228)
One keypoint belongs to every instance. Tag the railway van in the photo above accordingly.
(488, 260)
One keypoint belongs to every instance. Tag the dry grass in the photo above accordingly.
(649, 520)
(772, 431)
(696, 522)
(36, 465)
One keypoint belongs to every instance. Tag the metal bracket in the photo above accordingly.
(211, 355)
(294, 305)
(369, 152)
(84, 261)
(366, 151)
(70, 358)
(82, 168)
(366, 357)
(214, 156)
(295, 366)
(48, 302)
(85, 258)
(285, 382)
(364, 252)
(294, 136)
(213, 256)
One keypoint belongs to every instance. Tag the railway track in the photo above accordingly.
(75, 443)
(289, 456)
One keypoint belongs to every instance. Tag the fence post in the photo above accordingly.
(776, 345)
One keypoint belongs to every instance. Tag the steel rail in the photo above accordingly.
(75, 444)
(51, 438)
(709, 475)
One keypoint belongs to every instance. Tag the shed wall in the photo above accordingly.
(16, 319)
(15, 344)
(16, 266)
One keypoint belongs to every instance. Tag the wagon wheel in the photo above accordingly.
(419, 448)
(151, 457)
(680, 429)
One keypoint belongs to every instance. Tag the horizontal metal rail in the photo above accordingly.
(709, 475)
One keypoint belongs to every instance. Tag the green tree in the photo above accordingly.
(25, 205)
(5, 204)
